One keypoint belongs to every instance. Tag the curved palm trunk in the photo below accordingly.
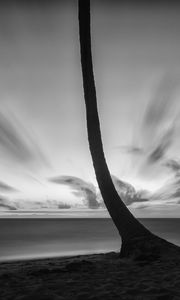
(127, 225)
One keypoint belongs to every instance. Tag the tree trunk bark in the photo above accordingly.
(127, 225)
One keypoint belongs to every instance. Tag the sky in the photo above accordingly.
(44, 155)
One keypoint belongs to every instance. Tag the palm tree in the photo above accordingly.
(132, 232)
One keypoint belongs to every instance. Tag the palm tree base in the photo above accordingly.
(148, 248)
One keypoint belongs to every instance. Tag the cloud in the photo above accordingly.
(64, 206)
(49, 204)
(157, 132)
(26, 204)
(169, 192)
(131, 149)
(127, 192)
(158, 129)
(137, 205)
(93, 198)
(17, 144)
(4, 187)
(5, 204)
(173, 165)
(80, 188)
(172, 188)
(159, 122)
(161, 103)
(162, 146)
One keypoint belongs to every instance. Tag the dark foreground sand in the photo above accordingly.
(101, 276)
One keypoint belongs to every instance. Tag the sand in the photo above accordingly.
(98, 276)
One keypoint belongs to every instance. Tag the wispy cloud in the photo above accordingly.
(135, 150)
(173, 165)
(92, 197)
(158, 129)
(6, 204)
(161, 104)
(163, 144)
(171, 190)
(127, 192)
(80, 188)
(26, 204)
(160, 119)
(17, 144)
(4, 187)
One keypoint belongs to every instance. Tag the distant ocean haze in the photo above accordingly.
(24, 238)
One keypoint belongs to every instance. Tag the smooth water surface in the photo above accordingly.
(33, 237)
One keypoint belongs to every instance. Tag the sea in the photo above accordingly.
(29, 238)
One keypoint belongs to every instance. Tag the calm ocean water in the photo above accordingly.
(33, 238)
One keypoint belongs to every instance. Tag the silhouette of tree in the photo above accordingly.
(132, 232)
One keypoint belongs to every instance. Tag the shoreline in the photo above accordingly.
(91, 276)
(55, 257)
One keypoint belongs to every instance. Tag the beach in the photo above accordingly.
(98, 276)
(72, 259)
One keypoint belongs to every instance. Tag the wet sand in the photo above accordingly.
(97, 276)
